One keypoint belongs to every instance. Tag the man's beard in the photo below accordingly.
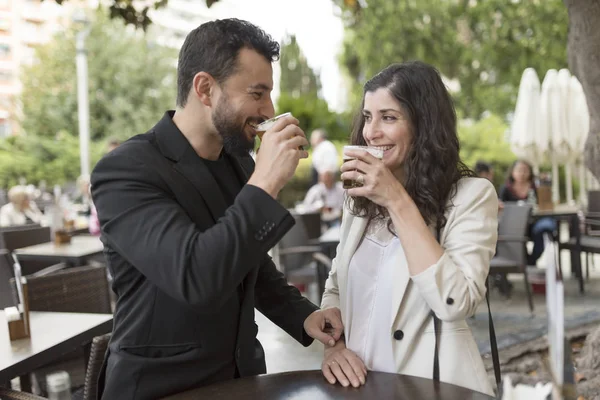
(226, 120)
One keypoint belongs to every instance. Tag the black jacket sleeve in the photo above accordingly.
(282, 303)
(142, 221)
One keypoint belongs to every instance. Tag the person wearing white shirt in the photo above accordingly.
(20, 210)
(327, 196)
(416, 240)
(324, 153)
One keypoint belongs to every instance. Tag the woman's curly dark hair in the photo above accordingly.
(432, 166)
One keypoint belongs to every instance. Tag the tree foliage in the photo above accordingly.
(484, 45)
(297, 77)
(300, 94)
(131, 82)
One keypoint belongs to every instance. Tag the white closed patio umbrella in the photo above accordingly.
(525, 128)
(550, 120)
(579, 125)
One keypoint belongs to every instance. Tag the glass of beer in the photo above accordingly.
(375, 152)
(266, 125)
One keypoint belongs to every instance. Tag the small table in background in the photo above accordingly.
(74, 254)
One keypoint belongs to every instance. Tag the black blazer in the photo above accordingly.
(188, 269)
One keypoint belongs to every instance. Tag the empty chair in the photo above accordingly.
(511, 251)
(302, 262)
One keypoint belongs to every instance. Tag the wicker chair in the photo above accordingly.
(80, 289)
(7, 394)
(99, 346)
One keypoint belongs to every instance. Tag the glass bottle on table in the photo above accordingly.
(59, 386)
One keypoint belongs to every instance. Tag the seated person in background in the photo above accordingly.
(323, 153)
(520, 186)
(484, 170)
(20, 210)
(326, 196)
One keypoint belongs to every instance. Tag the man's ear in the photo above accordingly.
(204, 86)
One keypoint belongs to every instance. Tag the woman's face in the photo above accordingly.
(521, 173)
(386, 127)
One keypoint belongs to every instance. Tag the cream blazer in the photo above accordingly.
(452, 288)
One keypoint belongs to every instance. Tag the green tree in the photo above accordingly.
(484, 45)
(54, 160)
(131, 83)
(297, 77)
(486, 140)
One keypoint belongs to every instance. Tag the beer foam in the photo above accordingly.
(266, 125)
(375, 152)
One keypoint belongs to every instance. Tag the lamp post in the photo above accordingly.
(83, 107)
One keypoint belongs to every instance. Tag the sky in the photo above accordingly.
(317, 27)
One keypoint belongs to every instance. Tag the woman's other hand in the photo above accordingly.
(343, 365)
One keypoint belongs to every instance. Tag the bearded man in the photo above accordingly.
(187, 219)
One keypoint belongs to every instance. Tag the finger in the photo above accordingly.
(321, 337)
(356, 165)
(353, 176)
(283, 122)
(339, 374)
(296, 141)
(358, 366)
(328, 374)
(290, 131)
(349, 371)
(337, 326)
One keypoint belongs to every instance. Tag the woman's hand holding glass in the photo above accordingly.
(378, 183)
(343, 365)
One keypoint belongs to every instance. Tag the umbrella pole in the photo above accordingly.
(555, 178)
(582, 183)
(569, 182)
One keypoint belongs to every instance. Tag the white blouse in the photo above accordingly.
(370, 297)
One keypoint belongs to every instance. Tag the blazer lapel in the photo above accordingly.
(353, 239)
(189, 165)
(197, 173)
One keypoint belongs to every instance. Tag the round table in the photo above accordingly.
(310, 385)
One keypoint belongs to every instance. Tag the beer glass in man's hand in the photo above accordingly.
(266, 125)
(375, 152)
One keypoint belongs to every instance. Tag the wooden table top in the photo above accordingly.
(80, 246)
(52, 334)
(310, 385)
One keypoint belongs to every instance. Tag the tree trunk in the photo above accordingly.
(583, 50)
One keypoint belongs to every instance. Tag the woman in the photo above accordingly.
(20, 210)
(520, 186)
(391, 273)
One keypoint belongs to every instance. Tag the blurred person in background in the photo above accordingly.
(112, 144)
(520, 186)
(484, 170)
(327, 196)
(324, 154)
(20, 210)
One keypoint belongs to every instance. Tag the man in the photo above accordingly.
(187, 220)
(327, 196)
(324, 153)
(484, 170)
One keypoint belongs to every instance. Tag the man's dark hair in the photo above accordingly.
(482, 167)
(213, 47)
